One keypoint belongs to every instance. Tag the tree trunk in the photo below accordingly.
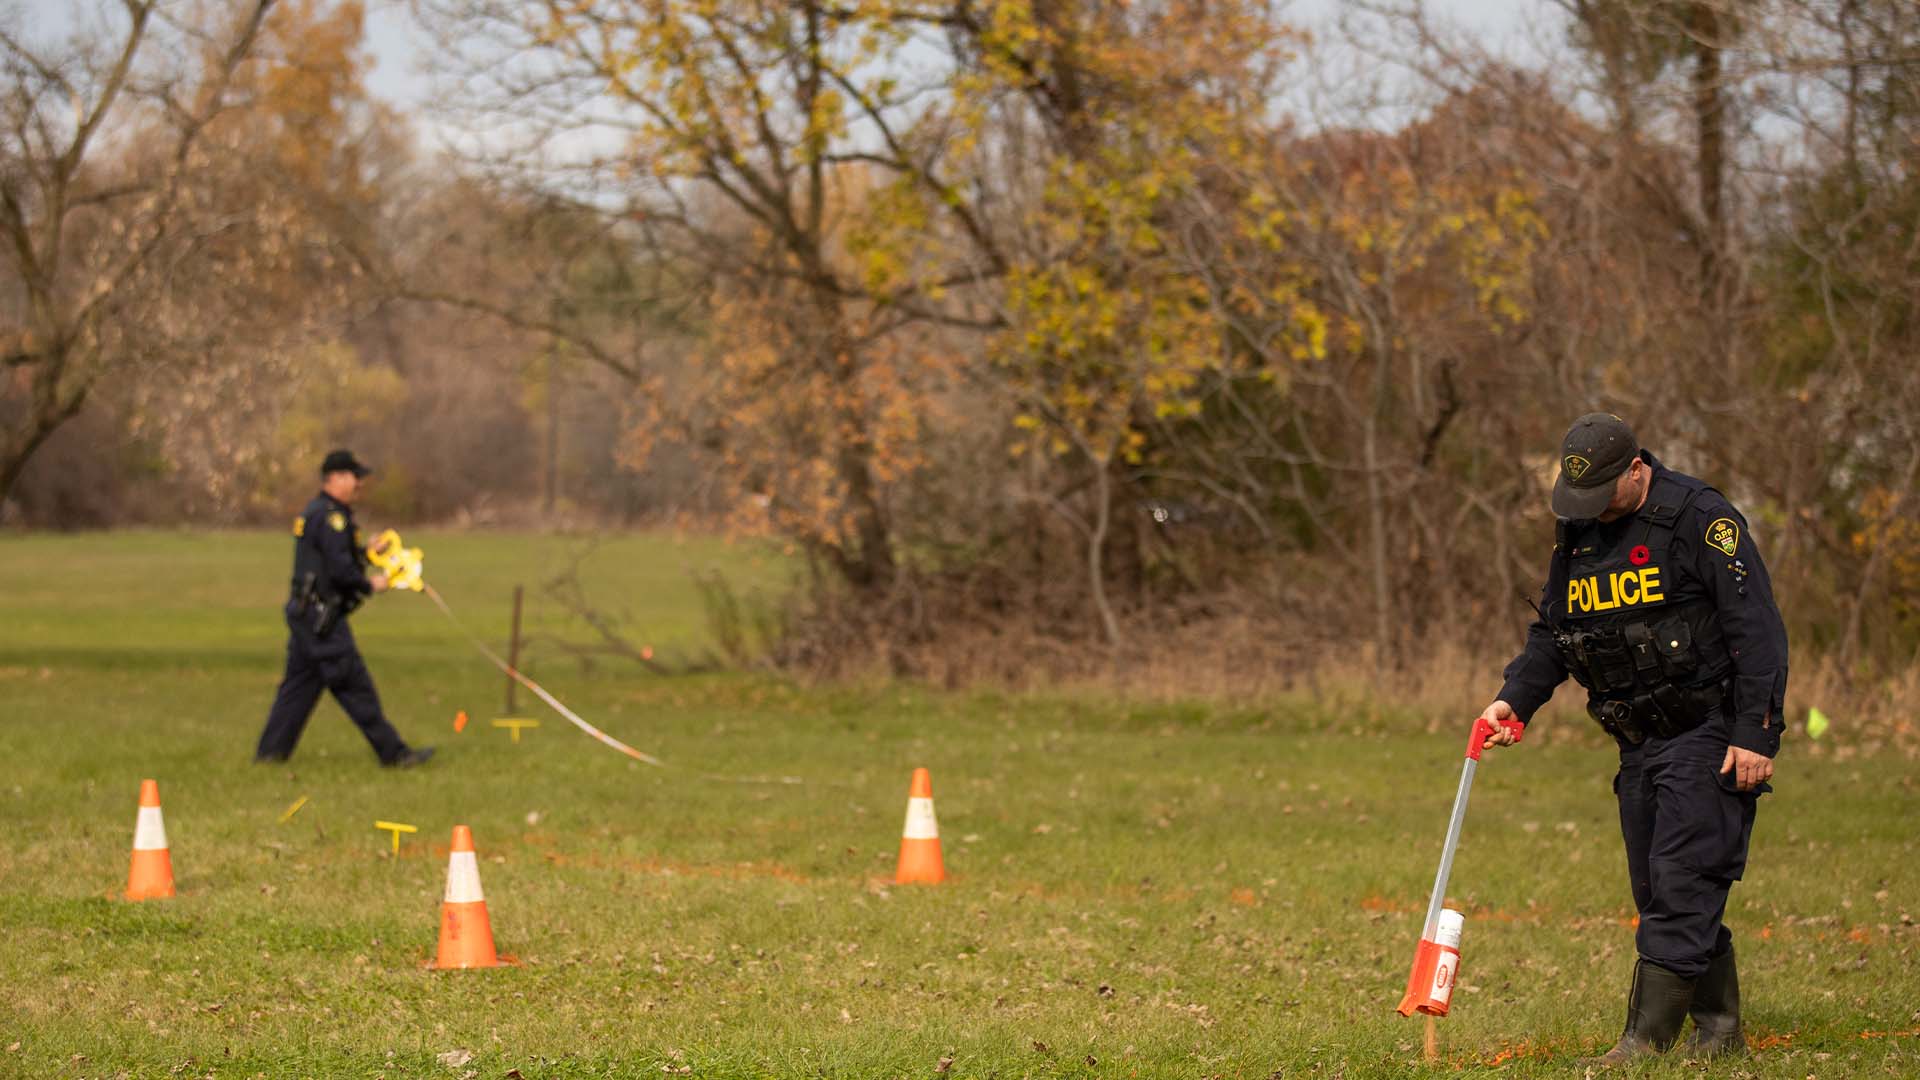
(50, 408)
(1377, 549)
(1709, 116)
(1096, 546)
(870, 565)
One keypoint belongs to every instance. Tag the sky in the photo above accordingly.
(396, 40)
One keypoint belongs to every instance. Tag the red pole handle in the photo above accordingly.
(1482, 727)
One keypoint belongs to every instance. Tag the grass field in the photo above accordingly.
(1137, 891)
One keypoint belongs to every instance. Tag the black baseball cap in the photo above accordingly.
(1598, 448)
(343, 461)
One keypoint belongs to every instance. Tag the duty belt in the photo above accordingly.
(1665, 711)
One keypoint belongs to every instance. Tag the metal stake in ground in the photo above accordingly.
(538, 691)
(513, 649)
(1429, 957)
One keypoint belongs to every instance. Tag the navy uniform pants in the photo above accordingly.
(1686, 829)
(331, 663)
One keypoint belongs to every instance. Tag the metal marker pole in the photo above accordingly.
(513, 648)
(1427, 955)
(1446, 853)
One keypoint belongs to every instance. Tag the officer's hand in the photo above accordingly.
(1749, 769)
(1495, 713)
(379, 582)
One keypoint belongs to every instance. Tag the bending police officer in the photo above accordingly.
(1657, 603)
(329, 581)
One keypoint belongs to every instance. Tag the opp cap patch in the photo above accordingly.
(1724, 534)
(1576, 466)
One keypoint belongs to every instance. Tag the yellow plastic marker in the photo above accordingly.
(294, 809)
(515, 725)
(1817, 723)
(396, 828)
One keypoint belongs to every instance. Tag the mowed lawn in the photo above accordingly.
(1137, 890)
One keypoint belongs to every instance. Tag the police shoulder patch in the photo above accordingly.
(1724, 534)
(338, 521)
(299, 526)
(1577, 466)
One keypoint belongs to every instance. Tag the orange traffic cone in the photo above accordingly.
(151, 876)
(920, 860)
(466, 937)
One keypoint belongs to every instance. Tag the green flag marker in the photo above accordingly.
(1816, 723)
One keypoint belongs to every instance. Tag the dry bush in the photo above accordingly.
(1237, 649)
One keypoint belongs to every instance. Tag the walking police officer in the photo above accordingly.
(1657, 603)
(329, 580)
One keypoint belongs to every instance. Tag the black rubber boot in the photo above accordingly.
(1656, 1010)
(1716, 1011)
(411, 757)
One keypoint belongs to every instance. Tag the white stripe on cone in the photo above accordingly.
(463, 879)
(920, 823)
(149, 832)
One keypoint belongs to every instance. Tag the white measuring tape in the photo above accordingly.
(538, 690)
(574, 717)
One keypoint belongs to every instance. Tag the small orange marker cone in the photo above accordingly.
(920, 861)
(466, 936)
(460, 721)
(151, 876)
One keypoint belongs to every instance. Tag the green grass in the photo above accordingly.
(1138, 891)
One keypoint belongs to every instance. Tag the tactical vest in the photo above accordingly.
(1651, 663)
(311, 582)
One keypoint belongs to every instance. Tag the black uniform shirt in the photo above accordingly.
(1714, 554)
(327, 543)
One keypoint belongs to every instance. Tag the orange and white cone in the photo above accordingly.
(920, 861)
(151, 875)
(466, 936)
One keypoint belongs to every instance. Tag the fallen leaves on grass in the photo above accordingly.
(455, 1058)
(1523, 1050)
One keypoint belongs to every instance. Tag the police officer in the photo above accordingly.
(329, 580)
(1657, 603)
